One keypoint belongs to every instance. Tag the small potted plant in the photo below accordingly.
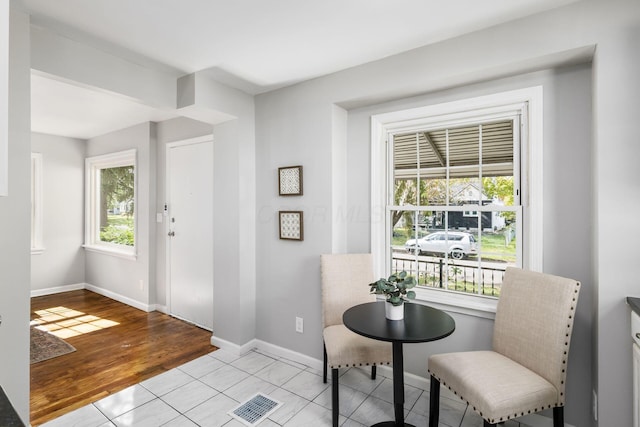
(396, 290)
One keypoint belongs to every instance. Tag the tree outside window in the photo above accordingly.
(117, 205)
(453, 209)
(110, 203)
(451, 178)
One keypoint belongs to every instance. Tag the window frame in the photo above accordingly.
(526, 101)
(93, 165)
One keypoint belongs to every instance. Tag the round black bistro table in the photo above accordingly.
(421, 323)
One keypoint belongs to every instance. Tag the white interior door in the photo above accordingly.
(190, 231)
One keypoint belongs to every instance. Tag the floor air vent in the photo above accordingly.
(255, 409)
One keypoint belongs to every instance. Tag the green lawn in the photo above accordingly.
(119, 230)
(492, 246)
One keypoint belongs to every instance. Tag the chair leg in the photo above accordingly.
(373, 372)
(326, 362)
(434, 402)
(335, 399)
(558, 416)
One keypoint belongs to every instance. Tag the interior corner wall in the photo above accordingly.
(62, 261)
(116, 276)
(616, 177)
(340, 217)
(150, 235)
(234, 224)
(15, 211)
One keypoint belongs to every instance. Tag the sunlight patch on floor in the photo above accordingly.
(65, 322)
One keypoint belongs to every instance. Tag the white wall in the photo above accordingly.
(589, 177)
(278, 280)
(616, 177)
(200, 98)
(567, 101)
(15, 214)
(62, 261)
(74, 61)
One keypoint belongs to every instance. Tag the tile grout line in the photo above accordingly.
(304, 401)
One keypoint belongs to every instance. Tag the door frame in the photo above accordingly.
(167, 224)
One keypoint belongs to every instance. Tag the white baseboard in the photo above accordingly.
(413, 380)
(288, 354)
(57, 289)
(225, 345)
(235, 349)
(107, 293)
(268, 348)
(121, 298)
(535, 420)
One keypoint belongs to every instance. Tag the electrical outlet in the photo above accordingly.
(299, 325)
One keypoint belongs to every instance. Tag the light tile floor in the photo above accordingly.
(203, 391)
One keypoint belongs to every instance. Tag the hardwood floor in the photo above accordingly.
(116, 346)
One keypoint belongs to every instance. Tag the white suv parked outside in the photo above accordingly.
(455, 243)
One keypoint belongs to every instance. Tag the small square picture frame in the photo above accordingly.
(290, 181)
(291, 225)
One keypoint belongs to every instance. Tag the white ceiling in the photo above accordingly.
(60, 108)
(254, 45)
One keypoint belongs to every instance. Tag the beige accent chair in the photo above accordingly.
(344, 284)
(527, 369)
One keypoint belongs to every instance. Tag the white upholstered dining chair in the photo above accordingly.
(527, 369)
(344, 284)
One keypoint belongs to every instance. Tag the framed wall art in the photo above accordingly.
(291, 225)
(290, 180)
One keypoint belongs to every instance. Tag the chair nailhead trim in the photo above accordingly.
(502, 419)
(355, 365)
(508, 417)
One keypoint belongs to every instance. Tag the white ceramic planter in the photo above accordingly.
(394, 312)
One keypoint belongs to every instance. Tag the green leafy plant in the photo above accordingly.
(395, 288)
(117, 234)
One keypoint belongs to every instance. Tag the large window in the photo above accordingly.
(453, 192)
(111, 202)
(455, 208)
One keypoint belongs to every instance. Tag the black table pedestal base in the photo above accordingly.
(391, 424)
(420, 324)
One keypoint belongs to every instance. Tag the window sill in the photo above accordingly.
(471, 305)
(113, 251)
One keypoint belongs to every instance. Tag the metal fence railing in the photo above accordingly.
(462, 276)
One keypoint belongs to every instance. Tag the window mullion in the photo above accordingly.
(454, 129)
(479, 232)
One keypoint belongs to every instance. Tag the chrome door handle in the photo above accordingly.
(172, 233)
